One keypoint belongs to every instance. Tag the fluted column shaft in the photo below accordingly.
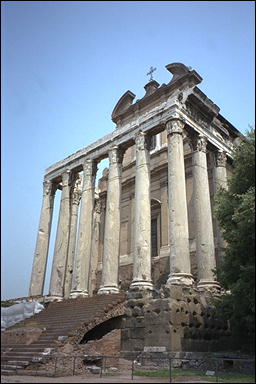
(142, 233)
(42, 243)
(180, 270)
(203, 216)
(80, 279)
(75, 199)
(110, 266)
(61, 242)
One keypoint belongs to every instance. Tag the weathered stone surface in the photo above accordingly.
(142, 236)
(110, 268)
(83, 252)
(61, 244)
(42, 243)
(204, 229)
(178, 217)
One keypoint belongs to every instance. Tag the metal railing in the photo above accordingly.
(108, 365)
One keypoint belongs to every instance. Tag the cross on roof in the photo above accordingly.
(151, 70)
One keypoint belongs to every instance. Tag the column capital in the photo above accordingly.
(221, 158)
(116, 154)
(65, 177)
(90, 167)
(142, 141)
(77, 191)
(199, 143)
(175, 125)
(47, 185)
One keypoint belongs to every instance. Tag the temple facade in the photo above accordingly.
(149, 222)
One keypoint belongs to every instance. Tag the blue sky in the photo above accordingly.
(66, 64)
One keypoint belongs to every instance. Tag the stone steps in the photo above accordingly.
(58, 319)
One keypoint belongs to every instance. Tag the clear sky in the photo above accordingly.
(66, 64)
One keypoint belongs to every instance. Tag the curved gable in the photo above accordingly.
(123, 103)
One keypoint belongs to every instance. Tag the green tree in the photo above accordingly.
(235, 211)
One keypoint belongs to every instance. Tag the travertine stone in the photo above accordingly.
(42, 243)
(75, 200)
(83, 250)
(203, 216)
(61, 242)
(110, 267)
(178, 217)
(142, 235)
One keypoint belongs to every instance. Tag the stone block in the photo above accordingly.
(137, 333)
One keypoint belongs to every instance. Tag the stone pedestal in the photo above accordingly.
(203, 217)
(83, 251)
(142, 235)
(180, 319)
(75, 199)
(42, 243)
(61, 242)
(110, 266)
(178, 218)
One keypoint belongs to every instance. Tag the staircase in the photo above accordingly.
(58, 319)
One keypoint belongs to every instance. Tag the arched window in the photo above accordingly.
(155, 227)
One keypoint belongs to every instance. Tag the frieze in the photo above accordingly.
(197, 115)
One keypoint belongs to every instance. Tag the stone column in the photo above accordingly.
(180, 270)
(220, 180)
(80, 279)
(95, 246)
(203, 217)
(142, 233)
(110, 262)
(75, 200)
(61, 242)
(43, 239)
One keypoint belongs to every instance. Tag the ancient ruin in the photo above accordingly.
(147, 229)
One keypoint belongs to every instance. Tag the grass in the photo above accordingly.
(222, 377)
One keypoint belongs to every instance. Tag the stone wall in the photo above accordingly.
(179, 319)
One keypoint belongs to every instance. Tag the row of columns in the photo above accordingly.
(71, 263)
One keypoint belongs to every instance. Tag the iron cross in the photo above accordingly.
(151, 70)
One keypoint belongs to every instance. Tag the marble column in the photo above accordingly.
(95, 246)
(75, 200)
(80, 281)
(43, 239)
(142, 233)
(110, 262)
(61, 242)
(203, 217)
(220, 180)
(180, 270)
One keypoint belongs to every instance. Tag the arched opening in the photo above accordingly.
(102, 329)
(155, 227)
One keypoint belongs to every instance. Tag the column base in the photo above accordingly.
(54, 298)
(143, 284)
(107, 290)
(208, 285)
(75, 294)
(180, 279)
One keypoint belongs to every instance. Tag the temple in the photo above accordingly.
(148, 225)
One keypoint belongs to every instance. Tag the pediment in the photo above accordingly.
(123, 104)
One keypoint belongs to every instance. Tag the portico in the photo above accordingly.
(179, 178)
